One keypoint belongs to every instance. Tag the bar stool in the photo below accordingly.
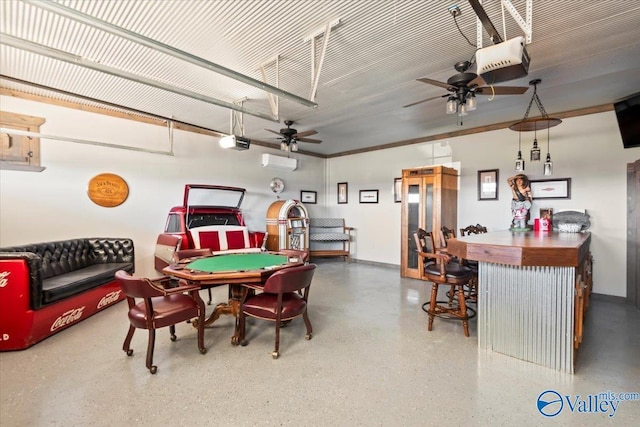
(438, 269)
(472, 291)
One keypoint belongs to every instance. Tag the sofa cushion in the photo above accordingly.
(68, 284)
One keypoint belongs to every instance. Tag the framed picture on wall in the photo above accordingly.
(488, 184)
(397, 190)
(309, 197)
(551, 188)
(343, 193)
(368, 196)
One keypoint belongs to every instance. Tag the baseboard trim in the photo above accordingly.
(608, 298)
(377, 264)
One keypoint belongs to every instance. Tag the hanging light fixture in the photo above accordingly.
(542, 122)
(519, 159)
(548, 165)
(535, 150)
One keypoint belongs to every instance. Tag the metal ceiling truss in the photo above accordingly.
(483, 21)
(316, 68)
(274, 102)
(236, 125)
(93, 22)
(60, 55)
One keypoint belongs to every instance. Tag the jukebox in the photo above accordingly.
(287, 226)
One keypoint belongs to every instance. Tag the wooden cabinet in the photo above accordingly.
(429, 201)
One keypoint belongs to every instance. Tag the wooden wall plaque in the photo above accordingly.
(108, 190)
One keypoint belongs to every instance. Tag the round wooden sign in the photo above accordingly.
(108, 190)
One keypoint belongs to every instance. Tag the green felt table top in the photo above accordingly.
(237, 262)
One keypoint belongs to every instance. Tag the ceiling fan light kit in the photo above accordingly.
(464, 86)
(527, 125)
(290, 137)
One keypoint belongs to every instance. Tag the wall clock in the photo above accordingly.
(276, 185)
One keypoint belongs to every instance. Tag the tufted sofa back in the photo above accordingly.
(69, 255)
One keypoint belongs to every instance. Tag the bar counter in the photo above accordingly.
(533, 290)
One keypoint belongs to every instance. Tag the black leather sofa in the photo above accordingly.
(49, 286)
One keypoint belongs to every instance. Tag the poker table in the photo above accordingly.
(235, 270)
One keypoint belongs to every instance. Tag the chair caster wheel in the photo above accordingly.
(129, 352)
(173, 338)
(153, 369)
(203, 351)
(208, 302)
(308, 336)
(244, 343)
(275, 354)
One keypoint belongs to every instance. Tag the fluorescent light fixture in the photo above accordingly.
(235, 142)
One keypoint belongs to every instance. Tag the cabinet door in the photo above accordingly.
(417, 212)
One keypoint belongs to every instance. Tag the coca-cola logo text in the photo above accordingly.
(67, 317)
(109, 298)
(4, 281)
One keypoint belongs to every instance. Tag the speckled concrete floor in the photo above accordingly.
(371, 362)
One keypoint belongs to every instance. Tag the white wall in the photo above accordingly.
(53, 204)
(587, 149)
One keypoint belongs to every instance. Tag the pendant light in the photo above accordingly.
(548, 165)
(527, 125)
(519, 160)
(535, 150)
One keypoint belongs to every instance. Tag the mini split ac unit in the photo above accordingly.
(271, 161)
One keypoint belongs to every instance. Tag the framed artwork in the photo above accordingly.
(343, 193)
(551, 188)
(309, 197)
(397, 190)
(368, 196)
(488, 184)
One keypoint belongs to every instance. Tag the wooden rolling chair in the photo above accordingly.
(193, 253)
(279, 301)
(440, 271)
(161, 306)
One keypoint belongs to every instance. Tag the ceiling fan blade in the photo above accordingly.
(305, 133)
(501, 90)
(478, 81)
(273, 131)
(437, 83)
(313, 141)
(424, 100)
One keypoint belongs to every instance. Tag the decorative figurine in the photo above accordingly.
(521, 201)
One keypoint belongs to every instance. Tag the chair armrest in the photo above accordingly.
(159, 285)
(164, 281)
(441, 258)
(181, 289)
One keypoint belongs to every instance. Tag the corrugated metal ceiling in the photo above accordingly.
(373, 59)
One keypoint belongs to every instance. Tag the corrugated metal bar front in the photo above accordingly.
(527, 313)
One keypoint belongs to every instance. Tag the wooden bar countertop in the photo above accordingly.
(528, 248)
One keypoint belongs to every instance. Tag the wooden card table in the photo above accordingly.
(533, 290)
(233, 270)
